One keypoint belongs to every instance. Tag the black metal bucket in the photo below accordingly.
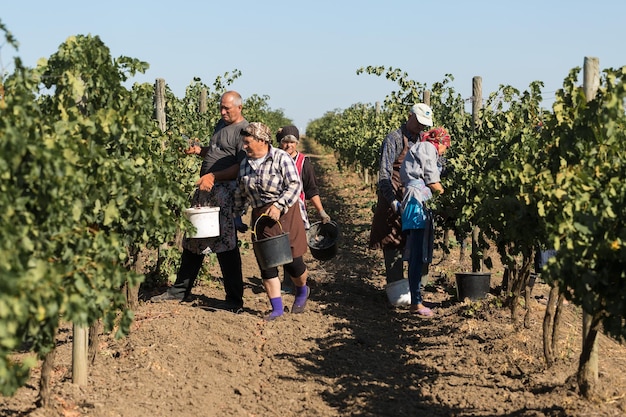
(322, 240)
(272, 251)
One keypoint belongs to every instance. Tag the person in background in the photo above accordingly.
(386, 229)
(420, 174)
(269, 183)
(216, 188)
(288, 138)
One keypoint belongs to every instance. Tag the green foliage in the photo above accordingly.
(357, 132)
(500, 169)
(479, 309)
(529, 178)
(88, 181)
(584, 200)
(29, 304)
(83, 187)
(256, 109)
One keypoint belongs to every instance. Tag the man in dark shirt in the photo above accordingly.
(216, 188)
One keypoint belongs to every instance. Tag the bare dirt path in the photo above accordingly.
(349, 354)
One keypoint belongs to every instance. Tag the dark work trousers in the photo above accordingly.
(417, 259)
(394, 265)
(230, 264)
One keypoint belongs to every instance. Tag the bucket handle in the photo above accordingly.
(257, 221)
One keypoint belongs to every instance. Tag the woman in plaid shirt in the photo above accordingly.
(269, 183)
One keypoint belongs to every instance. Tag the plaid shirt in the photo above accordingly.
(275, 181)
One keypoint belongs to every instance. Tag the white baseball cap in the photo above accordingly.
(423, 113)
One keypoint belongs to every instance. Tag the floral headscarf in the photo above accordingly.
(437, 135)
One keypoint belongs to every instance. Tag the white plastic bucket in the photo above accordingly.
(206, 220)
(398, 293)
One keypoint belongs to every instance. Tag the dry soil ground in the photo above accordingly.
(349, 354)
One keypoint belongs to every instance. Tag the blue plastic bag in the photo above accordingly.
(413, 215)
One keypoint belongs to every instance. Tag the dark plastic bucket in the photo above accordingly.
(472, 285)
(322, 240)
(272, 251)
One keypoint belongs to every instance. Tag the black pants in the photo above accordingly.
(230, 264)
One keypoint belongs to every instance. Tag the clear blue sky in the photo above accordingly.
(304, 55)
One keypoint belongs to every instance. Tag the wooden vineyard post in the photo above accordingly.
(159, 108)
(159, 103)
(588, 374)
(79, 355)
(202, 103)
(477, 104)
(426, 97)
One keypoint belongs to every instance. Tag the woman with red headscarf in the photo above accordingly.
(420, 174)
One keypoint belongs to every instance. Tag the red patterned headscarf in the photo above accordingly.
(437, 135)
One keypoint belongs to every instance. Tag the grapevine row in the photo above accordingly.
(526, 177)
(89, 181)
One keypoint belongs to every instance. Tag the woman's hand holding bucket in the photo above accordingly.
(273, 213)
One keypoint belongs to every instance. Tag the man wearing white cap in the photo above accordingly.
(386, 229)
